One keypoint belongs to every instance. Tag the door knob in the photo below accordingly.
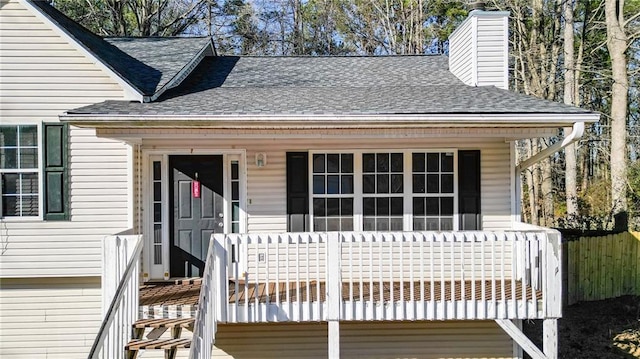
(220, 224)
(220, 214)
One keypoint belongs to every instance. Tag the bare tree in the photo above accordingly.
(571, 175)
(617, 42)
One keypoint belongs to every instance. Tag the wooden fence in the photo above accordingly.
(602, 267)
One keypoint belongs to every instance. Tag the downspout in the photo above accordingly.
(575, 135)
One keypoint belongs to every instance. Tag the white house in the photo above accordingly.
(333, 206)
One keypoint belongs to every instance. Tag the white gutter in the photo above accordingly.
(242, 120)
(575, 135)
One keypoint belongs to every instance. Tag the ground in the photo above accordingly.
(596, 330)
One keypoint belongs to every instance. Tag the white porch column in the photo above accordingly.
(334, 293)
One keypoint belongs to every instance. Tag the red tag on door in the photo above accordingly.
(195, 189)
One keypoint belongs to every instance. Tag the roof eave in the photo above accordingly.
(311, 121)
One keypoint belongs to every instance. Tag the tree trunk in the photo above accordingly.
(617, 45)
(571, 191)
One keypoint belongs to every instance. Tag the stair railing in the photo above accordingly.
(205, 324)
(115, 330)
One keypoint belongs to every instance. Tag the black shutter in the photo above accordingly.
(56, 196)
(297, 191)
(469, 190)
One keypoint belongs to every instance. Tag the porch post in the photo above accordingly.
(550, 338)
(334, 339)
(334, 293)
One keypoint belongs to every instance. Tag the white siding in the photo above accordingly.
(492, 52)
(41, 76)
(478, 49)
(266, 187)
(461, 53)
(48, 318)
(471, 339)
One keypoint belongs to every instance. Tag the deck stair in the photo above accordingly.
(164, 333)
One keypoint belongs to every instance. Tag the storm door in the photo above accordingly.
(197, 210)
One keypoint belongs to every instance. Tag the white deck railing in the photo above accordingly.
(120, 288)
(388, 276)
(205, 324)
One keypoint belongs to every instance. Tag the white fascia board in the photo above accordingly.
(332, 121)
(130, 92)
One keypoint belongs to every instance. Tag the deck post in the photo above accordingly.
(334, 340)
(334, 295)
(550, 338)
(552, 264)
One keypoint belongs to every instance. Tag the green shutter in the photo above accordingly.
(56, 186)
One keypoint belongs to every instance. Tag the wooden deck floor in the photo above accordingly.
(160, 294)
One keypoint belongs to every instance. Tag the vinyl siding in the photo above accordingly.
(371, 340)
(41, 76)
(52, 318)
(473, 339)
(478, 50)
(492, 54)
(266, 186)
(461, 56)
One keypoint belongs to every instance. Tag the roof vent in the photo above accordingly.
(478, 5)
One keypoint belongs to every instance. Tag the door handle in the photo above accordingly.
(220, 224)
(220, 214)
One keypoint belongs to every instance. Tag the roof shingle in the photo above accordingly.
(229, 85)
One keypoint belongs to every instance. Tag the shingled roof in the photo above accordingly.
(380, 85)
(147, 64)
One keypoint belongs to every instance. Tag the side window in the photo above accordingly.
(19, 171)
(332, 191)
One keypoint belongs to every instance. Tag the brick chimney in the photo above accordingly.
(479, 49)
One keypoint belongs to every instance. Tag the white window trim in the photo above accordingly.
(40, 216)
(407, 194)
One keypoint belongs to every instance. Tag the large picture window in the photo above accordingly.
(19, 171)
(333, 189)
(384, 191)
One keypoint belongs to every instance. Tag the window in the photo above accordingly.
(433, 191)
(19, 170)
(384, 191)
(157, 211)
(235, 197)
(333, 192)
(382, 187)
